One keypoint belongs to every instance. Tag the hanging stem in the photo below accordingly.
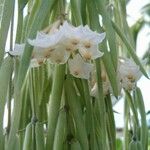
(54, 104)
(10, 82)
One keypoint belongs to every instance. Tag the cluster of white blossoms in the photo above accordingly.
(76, 46)
(128, 73)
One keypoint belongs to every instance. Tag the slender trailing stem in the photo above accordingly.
(54, 104)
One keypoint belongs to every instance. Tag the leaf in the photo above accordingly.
(5, 74)
(5, 22)
(129, 48)
(110, 34)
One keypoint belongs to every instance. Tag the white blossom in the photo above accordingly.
(129, 73)
(89, 47)
(36, 60)
(79, 68)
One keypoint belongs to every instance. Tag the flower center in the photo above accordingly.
(87, 44)
(87, 55)
(74, 42)
(47, 54)
(40, 61)
(76, 72)
(131, 77)
(58, 61)
(70, 47)
(103, 76)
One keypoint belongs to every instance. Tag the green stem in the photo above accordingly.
(8, 10)
(60, 134)
(144, 128)
(132, 106)
(111, 123)
(54, 104)
(101, 104)
(126, 121)
(75, 109)
(88, 105)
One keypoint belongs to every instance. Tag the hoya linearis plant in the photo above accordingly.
(68, 60)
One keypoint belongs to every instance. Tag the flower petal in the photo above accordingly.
(18, 50)
(78, 68)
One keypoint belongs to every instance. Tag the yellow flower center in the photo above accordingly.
(87, 44)
(58, 61)
(69, 48)
(40, 61)
(131, 77)
(75, 42)
(47, 54)
(87, 55)
(103, 76)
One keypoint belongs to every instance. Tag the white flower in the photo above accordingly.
(59, 55)
(45, 40)
(37, 58)
(105, 83)
(67, 40)
(57, 46)
(79, 68)
(89, 48)
(129, 73)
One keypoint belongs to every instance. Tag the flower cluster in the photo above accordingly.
(76, 46)
(128, 73)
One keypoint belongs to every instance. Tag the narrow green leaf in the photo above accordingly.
(54, 104)
(133, 108)
(110, 123)
(75, 145)
(40, 139)
(5, 22)
(28, 138)
(5, 74)
(76, 111)
(60, 133)
(144, 128)
(110, 34)
(75, 9)
(129, 48)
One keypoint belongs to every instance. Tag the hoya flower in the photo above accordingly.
(59, 55)
(89, 43)
(129, 73)
(54, 46)
(79, 68)
(58, 46)
(106, 89)
(36, 60)
(105, 83)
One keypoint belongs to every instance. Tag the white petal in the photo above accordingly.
(78, 68)
(41, 35)
(46, 40)
(128, 67)
(99, 38)
(87, 34)
(93, 51)
(18, 50)
(59, 55)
